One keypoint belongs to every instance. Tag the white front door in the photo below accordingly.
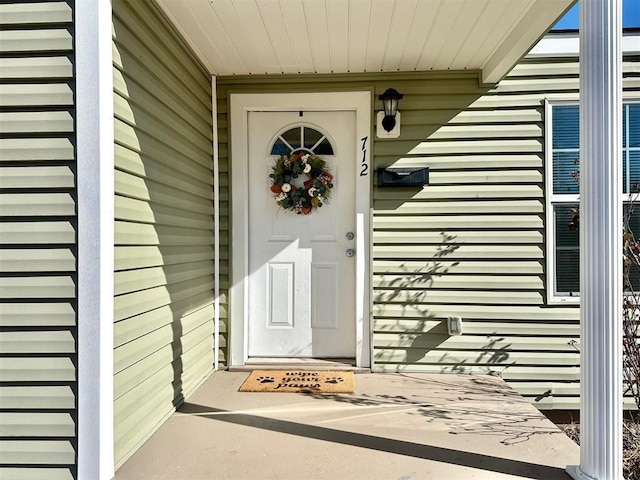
(301, 281)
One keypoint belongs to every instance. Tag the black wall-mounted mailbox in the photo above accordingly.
(403, 177)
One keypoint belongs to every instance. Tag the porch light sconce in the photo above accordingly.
(388, 121)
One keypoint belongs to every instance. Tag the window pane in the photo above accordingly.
(632, 224)
(311, 137)
(631, 115)
(566, 126)
(567, 251)
(631, 171)
(324, 148)
(280, 148)
(292, 137)
(564, 164)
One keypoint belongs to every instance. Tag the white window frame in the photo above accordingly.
(552, 199)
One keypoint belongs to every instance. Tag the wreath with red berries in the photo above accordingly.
(305, 197)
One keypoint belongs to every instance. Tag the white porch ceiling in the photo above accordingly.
(252, 37)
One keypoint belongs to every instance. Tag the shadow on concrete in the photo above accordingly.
(388, 445)
(457, 402)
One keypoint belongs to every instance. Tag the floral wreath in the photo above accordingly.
(312, 194)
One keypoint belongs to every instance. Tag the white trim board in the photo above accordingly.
(95, 184)
(216, 227)
(560, 45)
(552, 297)
(241, 105)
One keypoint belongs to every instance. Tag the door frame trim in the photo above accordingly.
(243, 103)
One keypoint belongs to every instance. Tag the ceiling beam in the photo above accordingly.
(532, 26)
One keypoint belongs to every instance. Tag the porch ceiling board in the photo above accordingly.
(256, 37)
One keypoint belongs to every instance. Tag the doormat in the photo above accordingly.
(299, 381)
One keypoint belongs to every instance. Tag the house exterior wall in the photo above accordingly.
(38, 319)
(472, 242)
(163, 304)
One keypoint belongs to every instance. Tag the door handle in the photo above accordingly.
(350, 252)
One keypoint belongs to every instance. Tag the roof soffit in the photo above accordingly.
(257, 37)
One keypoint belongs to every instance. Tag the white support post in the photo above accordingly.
(95, 177)
(600, 241)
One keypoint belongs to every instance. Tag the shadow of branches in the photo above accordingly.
(465, 404)
(409, 288)
(418, 331)
(493, 358)
(420, 279)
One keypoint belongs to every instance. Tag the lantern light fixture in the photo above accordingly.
(388, 122)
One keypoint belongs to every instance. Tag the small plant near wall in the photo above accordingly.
(631, 305)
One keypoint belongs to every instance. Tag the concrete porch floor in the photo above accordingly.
(395, 426)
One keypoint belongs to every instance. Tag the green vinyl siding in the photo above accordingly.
(38, 252)
(163, 306)
(472, 242)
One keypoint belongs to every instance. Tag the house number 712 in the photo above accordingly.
(365, 166)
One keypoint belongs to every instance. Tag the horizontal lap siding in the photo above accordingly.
(163, 225)
(472, 242)
(37, 242)
(469, 244)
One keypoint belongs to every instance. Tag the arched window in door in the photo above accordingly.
(302, 138)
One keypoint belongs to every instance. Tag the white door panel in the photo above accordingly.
(301, 283)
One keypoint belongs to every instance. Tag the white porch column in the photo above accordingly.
(95, 176)
(600, 240)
